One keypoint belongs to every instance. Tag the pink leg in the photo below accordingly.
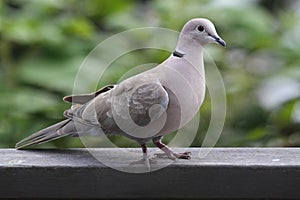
(168, 152)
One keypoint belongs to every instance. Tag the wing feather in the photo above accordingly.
(84, 98)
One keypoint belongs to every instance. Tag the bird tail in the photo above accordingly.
(61, 129)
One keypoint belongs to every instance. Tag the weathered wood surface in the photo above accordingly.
(223, 173)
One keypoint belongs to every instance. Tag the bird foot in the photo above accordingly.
(173, 156)
(144, 161)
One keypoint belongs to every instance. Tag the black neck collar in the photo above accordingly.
(178, 54)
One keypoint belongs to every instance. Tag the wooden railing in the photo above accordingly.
(224, 173)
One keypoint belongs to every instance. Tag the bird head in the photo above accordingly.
(200, 31)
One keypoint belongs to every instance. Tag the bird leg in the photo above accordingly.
(145, 160)
(168, 152)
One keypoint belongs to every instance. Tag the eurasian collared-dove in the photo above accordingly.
(146, 106)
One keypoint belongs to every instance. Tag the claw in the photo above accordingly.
(174, 156)
(168, 152)
(144, 161)
(184, 155)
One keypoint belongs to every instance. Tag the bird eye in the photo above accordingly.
(200, 28)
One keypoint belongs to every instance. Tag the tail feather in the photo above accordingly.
(50, 133)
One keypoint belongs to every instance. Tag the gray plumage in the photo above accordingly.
(146, 106)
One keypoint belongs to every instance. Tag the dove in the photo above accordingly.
(146, 106)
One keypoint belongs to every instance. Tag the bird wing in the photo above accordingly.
(84, 98)
(137, 102)
(134, 105)
(134, 108)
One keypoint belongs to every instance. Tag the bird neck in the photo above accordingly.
(191, 51)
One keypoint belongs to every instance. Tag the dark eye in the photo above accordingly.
(200, 28)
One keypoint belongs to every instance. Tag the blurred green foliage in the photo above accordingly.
(42, 44)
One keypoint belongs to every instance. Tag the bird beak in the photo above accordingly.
(218, 40)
